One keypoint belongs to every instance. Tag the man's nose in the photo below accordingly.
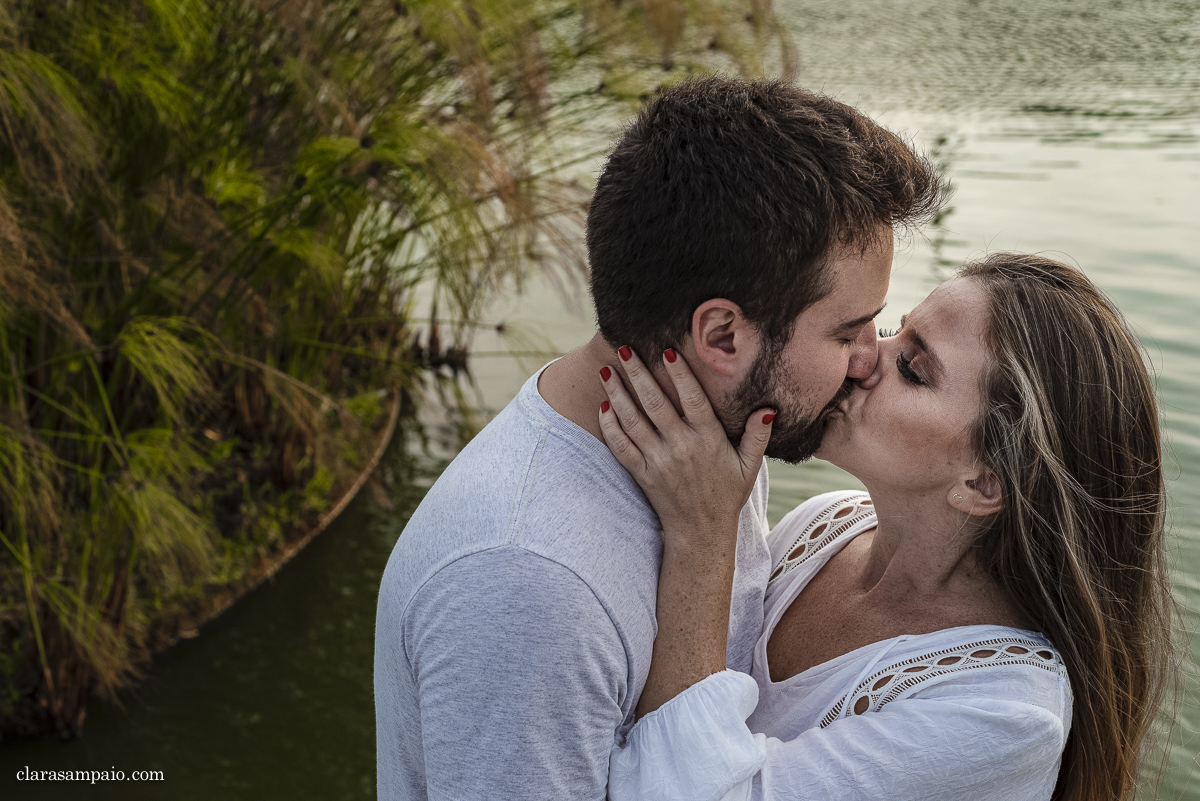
(864, 354)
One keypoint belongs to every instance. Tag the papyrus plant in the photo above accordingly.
(224, 226)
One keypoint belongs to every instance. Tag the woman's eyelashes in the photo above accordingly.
(904, 366)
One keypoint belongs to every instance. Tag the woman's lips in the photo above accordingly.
(841, 408)
(839, 401)
(847, 400)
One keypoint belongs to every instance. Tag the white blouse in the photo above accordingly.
(977, 712)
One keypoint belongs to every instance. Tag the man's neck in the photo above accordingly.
(572, 387)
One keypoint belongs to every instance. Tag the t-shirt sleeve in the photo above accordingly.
(521, 676)
(950, 742)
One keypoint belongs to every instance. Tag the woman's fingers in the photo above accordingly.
(697, 411)
(631, 420)
(627, 453)
(645, 386)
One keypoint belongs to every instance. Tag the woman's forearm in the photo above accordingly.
(694, 589)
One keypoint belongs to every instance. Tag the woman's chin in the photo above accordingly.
(836, 446)
(834, 435)
(827, 451)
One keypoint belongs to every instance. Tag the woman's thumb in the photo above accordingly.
(755, 439)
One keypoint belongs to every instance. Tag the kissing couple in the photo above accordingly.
(588, 603)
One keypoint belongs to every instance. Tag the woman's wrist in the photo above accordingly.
(705, 541)
(709, 568)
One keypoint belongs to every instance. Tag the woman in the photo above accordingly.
(992, 620)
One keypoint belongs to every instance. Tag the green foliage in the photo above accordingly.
(316, 491)
(216, 220)
(366, 408)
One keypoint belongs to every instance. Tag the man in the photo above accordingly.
(748, 226)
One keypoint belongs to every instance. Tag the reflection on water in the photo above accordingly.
(1066, 127)
(1092, 68)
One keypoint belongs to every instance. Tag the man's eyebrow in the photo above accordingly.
(860, 322)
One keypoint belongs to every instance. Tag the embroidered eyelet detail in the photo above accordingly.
(823, 529)
(900, 678)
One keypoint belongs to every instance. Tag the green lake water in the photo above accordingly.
(1067, 128)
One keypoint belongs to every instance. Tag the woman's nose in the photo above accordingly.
(864, 355)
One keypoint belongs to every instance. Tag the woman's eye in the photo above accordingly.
(904, 366)
(887, 333)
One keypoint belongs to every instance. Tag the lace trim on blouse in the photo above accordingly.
(823, 529)
(899, 678)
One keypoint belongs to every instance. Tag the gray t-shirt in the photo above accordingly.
(516, 616)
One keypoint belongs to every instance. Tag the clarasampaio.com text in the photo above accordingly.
(93, 776)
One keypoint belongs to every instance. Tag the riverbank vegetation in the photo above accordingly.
(232, 234)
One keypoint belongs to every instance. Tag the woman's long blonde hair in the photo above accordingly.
(1070, 427)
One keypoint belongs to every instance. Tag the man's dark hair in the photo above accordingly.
(739, 190)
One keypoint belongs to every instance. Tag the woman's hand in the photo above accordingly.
(694, 478)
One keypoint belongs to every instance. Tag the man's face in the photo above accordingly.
(833, 342)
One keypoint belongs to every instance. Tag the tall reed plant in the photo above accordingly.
(216, 221)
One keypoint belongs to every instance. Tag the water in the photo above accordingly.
(1067, 128)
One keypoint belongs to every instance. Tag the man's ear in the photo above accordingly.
(979, 495)
(723, 338)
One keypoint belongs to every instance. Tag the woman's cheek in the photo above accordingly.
(932, 440)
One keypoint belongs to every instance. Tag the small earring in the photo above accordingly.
(957, 497)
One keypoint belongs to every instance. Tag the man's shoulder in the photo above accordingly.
(525, 483)
(522, 476)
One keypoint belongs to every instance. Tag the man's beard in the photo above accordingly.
(796, 433)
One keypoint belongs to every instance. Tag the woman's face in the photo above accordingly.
(906, 427)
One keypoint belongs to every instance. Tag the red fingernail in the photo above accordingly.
(768, 417)
(670, 354)
(605, 374)
(625, 353)
(604, 406)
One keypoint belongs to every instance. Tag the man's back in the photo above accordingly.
(516, 615)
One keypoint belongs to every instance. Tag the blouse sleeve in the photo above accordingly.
(695, 747)
(969, 737)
